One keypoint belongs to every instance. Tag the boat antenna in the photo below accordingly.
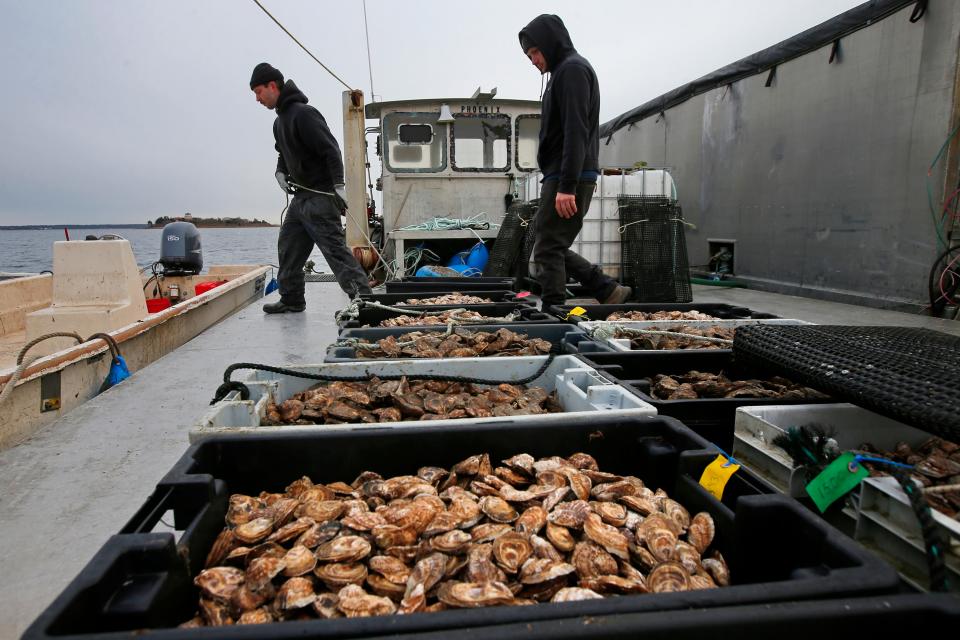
(303, 47)
(366, 30)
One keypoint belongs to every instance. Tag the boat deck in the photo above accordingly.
(80, 479)
(10, 345)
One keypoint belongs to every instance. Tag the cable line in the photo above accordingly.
(301, 46)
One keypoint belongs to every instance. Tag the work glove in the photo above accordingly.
(282, 181)
(340, 191)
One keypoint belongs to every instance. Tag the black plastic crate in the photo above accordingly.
(373, 317)
(713, 418)
(653, 249)
(880, 617)
(776, 550)
(448, 284)
(601, 311)
(555, 333)
(400, 299)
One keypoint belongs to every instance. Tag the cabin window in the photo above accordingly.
(411, 145)
(528, 141)
(481, 142)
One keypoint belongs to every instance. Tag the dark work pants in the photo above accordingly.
(315, 219)
(551, 250)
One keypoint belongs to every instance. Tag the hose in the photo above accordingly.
(234, 385)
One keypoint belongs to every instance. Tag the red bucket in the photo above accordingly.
(156, 305)
(203, 287)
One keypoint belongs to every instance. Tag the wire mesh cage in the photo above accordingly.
(507, 252)
(653, 256)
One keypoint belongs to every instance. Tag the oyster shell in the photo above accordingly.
(262, 570)
(452, 542)
(246, 599)
(668, 577)
(254, 531)
(717, 568)
(474, 594)
(583, 461)
(338, 575)
(511, 550)
(702, 582)
(325, 606)
(570, 514)
(414, 600)
(299, 561)
(661, 542)
(357, 603)
(539, 570)
(291, 530)
(256, 616)
(219, 583)
(480, 565)
(701, 531)
(610, 512)
(640, 504)
(344, 549)
(222, 546)
(531, 521)
(560, 537)
(365, 521)
(295, 593)
(575, 594)
(498, 510)
(321, 510)
(488, 532)
(427, 572)
(241, 508)
(676, 512)
(687, 555)
(592, 561)
(606, 536)
(393, 569)
(522, 463)
(544, 549)
(317, 534)
(390, 535)
(215, 614)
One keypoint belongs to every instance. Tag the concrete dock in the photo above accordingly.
(80, 479)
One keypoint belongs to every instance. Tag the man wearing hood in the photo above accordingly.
(568, 158)
(309, 167)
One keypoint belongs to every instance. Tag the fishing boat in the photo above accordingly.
(97, 293)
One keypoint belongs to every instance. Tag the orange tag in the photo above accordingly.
(576, 311)
(716, 476)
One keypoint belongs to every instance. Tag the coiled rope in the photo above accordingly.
(24, 363)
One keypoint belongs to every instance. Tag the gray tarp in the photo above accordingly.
(809, 40)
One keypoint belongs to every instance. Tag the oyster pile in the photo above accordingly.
(653, 341)
(396, 400)
(697, 384)
(449, 298)
(526, 531)
(936, 463)
(462, 343)
(659, 315)
(440, 318)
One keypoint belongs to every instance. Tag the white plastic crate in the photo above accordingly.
(581, 390)
(884, 521)
(623, 344)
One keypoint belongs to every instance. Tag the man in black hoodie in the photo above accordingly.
(309, 167)
(568, 158)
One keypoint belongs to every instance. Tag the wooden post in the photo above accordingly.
(354, 168)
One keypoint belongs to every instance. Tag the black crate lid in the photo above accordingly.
(904, 373)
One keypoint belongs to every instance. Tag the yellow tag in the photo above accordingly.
(716, 476)
(576, 311)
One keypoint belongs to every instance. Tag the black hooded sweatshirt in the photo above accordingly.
(570, 114)
(309, 154)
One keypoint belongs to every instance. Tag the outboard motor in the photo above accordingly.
(180, 252)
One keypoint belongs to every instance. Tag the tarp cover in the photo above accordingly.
(823, 34)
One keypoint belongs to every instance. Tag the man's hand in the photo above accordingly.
(566, 205)
(282, 181)
(341, 192)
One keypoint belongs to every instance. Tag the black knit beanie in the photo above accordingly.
(264, 73)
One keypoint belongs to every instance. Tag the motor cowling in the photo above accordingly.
(180, 251)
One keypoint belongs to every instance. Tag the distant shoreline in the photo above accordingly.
(47, 227)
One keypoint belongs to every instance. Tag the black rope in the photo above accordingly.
(233, 385)
(834, 51)
(933, 542)
(918, 10)
(771, 76)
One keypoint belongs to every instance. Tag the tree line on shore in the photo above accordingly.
(209, 222)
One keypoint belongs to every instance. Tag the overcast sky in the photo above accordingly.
(119, 111)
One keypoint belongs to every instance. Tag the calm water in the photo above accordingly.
(32, 251)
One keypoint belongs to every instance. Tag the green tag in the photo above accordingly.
(838, 479)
